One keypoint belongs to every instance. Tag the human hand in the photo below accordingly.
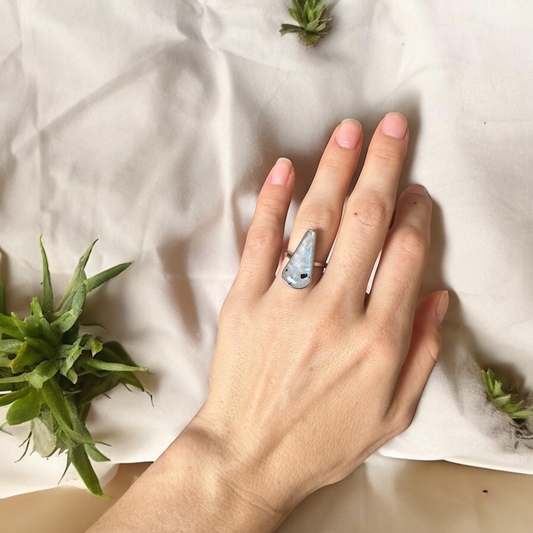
(307, 383)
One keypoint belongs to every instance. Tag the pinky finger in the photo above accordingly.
(424, 350)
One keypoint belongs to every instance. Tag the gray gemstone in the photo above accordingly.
(298, 272)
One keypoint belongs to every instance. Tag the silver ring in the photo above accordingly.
(298, 272)
(316, 263)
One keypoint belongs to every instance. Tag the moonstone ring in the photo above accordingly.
(298, 272)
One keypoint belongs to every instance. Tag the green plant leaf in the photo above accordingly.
(55, 400)
(91, 342)
(526, 413)
(102, 277)
(501, 401)
(9, 398)
(112, 367)
(33, 326)
(289, 28)
(95, 454)
(9, 327)
(297, 17)
(43, 372)
(14, 379)
(69, 354)
(48, 295)
(308, 12)
(90, 324)
(51, 334)
(80, 460)
(10, 346)
(25, 408)
(42, 346)
(66, 320)
(77, 278)
(312, 26)
(22, 327)
(35, 307)
(299, 7)
(26, 357)
(120, 351)
(44, 440)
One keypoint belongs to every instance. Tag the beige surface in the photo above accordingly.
(420, 497)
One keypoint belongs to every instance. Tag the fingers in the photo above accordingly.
(396, 285)
(321, 209)
(369, 210)
(424, 350)
(263, 241)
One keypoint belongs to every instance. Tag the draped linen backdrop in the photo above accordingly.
(151, 125)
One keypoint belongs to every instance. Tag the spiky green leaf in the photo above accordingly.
(106, 275)
(48, 295)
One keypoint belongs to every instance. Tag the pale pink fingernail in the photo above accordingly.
(442, 306)
(281, 171)
(394, 125)
(349, 133)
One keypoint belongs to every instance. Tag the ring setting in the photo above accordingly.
(298, 272)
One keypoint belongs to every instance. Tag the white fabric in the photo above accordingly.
(152, 126)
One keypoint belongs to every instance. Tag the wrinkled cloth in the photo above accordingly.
(152, 126)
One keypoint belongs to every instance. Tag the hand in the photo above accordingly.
(307, 383)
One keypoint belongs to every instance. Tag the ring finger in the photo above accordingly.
(321, 209)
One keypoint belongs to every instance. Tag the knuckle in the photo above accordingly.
(372, 212)
(318, 214)
(412, 241)
(271, 203)
(386, 157)
(262, 236)
(333, 165)
(399, 419)
(401, 422)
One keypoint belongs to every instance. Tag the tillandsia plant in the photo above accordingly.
(50, 373)
(310, 15)
(509, 403)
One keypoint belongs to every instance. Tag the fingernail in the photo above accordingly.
(394, 125)
(349, 133)
(418, 189)
(281, 171)
(442, 306)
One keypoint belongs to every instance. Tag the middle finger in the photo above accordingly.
(321, 209)
(368, 212)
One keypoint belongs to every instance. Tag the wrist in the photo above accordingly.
(232, 492)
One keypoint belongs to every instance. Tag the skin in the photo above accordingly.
(305, 384)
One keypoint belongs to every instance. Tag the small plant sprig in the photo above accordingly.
(510, 404)
(49, 373)
(307, 13)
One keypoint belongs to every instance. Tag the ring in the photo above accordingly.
(298, 272)
(316, 263)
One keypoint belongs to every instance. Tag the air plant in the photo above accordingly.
(50, 373)
(309, 14)
(511, 404)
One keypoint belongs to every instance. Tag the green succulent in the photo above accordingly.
(50, 372)
(307, 13)
(510, 404)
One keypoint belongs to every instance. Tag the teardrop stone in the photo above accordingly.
(298, 272)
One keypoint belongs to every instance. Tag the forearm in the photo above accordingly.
(192, 487)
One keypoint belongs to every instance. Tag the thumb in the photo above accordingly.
(424, 350)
